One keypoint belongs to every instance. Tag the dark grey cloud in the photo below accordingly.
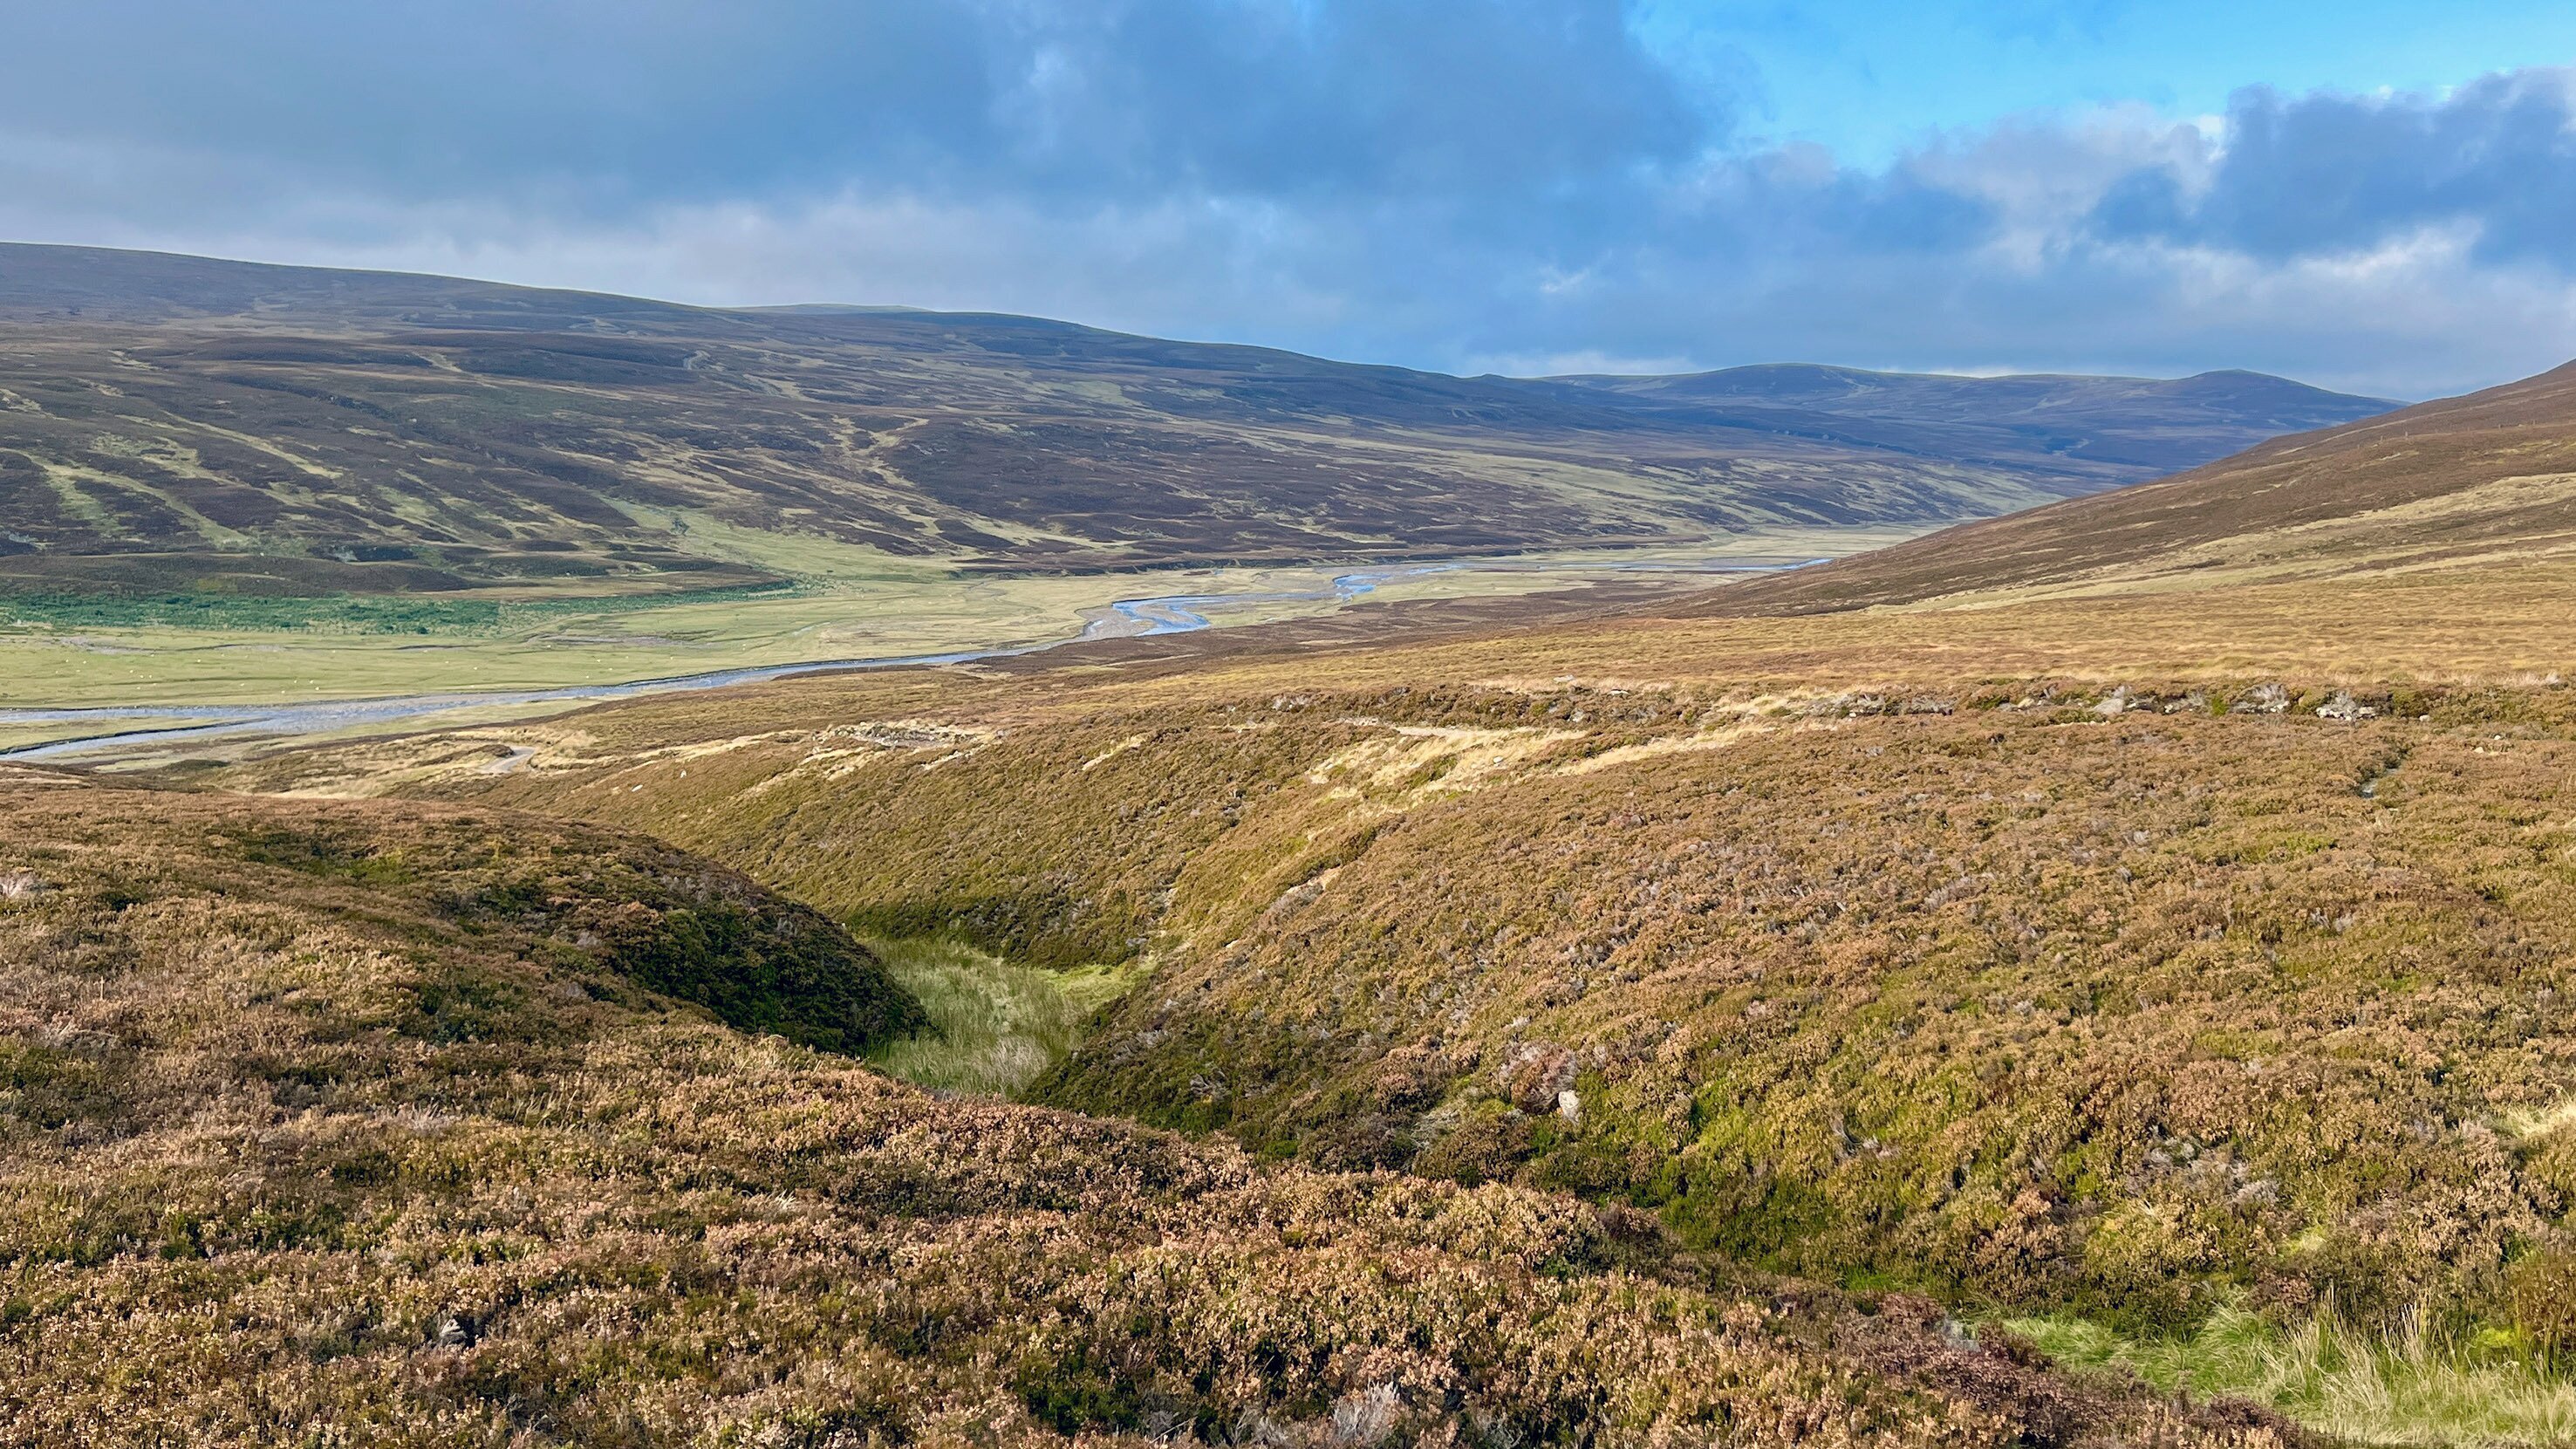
(2334, 174)
(619, 103)
(1515, 98)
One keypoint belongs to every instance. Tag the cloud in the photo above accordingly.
(2318, 175)
(622, 104)
(1460, 184)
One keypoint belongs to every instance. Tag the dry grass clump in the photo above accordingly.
(296, 1147)
(2414, 1386)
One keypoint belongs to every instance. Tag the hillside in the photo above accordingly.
(2169, 961)
(2186, 971)
(320, 1122)
(2481, 480)
(174, 421)
(2010, 956)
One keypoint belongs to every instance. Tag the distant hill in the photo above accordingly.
(2484, 478)
(172, 420)
(2119, 422)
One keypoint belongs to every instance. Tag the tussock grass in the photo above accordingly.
(994, 1026)
(2411, 1387)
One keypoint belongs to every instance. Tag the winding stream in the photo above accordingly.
(1121, 619)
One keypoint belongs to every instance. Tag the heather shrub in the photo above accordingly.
(2044, 1003)
(246, 1197)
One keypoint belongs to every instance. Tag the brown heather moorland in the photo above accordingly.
(2174, 933)
(2126, 957)
(364, 1124)
(2107, 1001)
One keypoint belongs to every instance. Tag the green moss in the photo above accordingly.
(796, 976)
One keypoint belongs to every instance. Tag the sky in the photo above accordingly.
(2371, 195)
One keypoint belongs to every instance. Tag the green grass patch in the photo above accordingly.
(994, 1026)
(2411, 1387)
(338, 613)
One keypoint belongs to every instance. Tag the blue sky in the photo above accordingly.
(2373, 195)
(1872, 79)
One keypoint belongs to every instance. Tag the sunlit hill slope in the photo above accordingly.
(2483, 480)
(173, 421)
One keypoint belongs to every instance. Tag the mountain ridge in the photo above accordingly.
(280, 430)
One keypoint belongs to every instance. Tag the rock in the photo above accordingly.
(1569, 1105)
(22, 885)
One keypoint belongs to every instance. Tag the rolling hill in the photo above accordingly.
(2485, 479)
(2155, 944)
(173, 421)
(2177, 963)
(373, 1122)
(2118, 423)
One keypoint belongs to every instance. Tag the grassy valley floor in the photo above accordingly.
(839, 602)
(2410, 1385)
(995, 1027)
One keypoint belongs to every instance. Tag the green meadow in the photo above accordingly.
(832, 601)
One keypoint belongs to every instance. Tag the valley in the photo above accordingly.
(461, 1124)
(226, 484)
(1287, 724)
(182, 425)
(2168, 962)
(186, 655)
(2089, 976)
